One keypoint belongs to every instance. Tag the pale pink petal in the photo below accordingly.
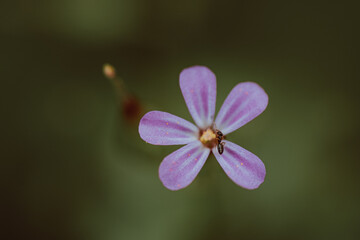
(243, 167)
(244, 103)
(180, 168)
(198, 86)
(162, 128)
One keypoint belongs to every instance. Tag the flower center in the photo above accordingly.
(208, 138)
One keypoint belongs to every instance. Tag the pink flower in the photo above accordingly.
(198, 86)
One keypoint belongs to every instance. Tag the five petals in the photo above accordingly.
(198, 85)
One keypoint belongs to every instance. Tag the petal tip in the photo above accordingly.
(196, 68)
(142, 125)
(253, 186)
(261, 92)
(140, 128)
(165, 181)
(258, 180)
(172, 188)
(195, 72)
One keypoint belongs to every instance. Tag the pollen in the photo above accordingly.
(208, 138)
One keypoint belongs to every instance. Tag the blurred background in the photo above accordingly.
(73, 166)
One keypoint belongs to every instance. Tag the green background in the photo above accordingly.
(72, 168)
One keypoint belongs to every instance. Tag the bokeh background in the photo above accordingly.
(73, 168)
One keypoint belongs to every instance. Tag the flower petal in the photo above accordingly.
(198, 86)
(180, 168)
(244, 103)
(243, 167)
(162, 128)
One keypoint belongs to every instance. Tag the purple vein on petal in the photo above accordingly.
(198, 86)
(191, 156)
(245, 102)
(161, 128)
(204, 100)
(233, 107)
(242, 166)
(233, 112)
(180, 168)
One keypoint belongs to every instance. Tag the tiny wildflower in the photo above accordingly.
(198, 85)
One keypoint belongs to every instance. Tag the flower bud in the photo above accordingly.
(109, 71)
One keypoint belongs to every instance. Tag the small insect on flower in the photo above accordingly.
(220, 145)
(198, 86)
